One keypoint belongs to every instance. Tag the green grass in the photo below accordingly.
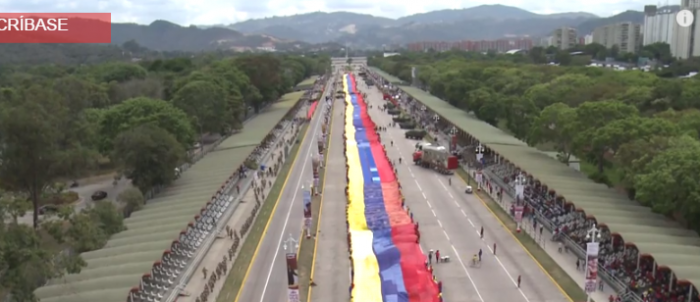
(306, 249)
(244, 258)
(572, 289)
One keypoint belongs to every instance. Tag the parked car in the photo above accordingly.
(48, 209)
(99, 195)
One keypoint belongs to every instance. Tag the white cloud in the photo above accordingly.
(186, 12)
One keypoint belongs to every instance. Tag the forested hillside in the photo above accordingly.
(59, 123)
(633, 130)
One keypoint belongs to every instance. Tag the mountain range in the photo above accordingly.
(332, 31)
(475, 23)
(166, 36)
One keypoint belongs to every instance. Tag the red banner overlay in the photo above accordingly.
(55, 28)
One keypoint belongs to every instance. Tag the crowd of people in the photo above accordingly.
(622, 262)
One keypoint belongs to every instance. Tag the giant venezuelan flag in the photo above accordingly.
(388, 265)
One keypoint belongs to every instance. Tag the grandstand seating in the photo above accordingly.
(622, 262)
(165, 273)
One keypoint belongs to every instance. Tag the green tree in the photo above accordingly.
(148, 155)
(205, 103)
(592, 116)
(670, 184)
(264, 73)
(31, 154)
(133, 199)
(141, 111)
(556, 124)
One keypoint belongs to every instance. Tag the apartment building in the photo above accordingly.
(564, 38)
(659, 24)
(501, 45)
(686, 40)
(627, 36)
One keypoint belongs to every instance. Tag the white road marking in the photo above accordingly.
(459, 258)
(289, 211)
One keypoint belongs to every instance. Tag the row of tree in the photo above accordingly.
(62, 122)
(658, 56)
(642, 127)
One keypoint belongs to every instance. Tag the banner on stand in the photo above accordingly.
(592, 249)
(519, 213)
(293, 295)
(307, 204)
(292, 276)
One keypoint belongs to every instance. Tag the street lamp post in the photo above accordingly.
(453, 138)
(519, 208)
(291, 246)
(479, 152)
(592, 250)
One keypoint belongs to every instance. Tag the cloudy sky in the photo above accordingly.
(204, 12)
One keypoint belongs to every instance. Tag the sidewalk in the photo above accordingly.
(220, 247)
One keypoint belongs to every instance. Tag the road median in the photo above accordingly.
(307, 248)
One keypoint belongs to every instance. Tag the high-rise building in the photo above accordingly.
(564, 38)
(659, 24)
(626, 36)
(686, 40)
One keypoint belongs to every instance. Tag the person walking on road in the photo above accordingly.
(481, 233)
(437, 256)
(518, 281)
(480, 255)
(430, 257)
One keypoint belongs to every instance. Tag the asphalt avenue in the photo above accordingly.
(450, 221)
(266, 279)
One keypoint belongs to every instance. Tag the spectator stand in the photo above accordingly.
(643, 253)
(148, 260)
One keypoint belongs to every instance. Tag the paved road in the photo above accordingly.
(332, 265)
(450, 221)
(267, 280)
